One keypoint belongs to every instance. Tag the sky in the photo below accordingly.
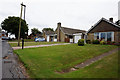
(78, 14)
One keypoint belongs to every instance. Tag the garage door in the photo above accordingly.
(76, 38)
(48, 38)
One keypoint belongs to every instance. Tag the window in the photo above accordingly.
(107, 36)
(103, 36)
(55, 36)
(96, 36)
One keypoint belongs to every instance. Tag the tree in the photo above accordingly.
(11, 25)
(47, 29)
(35, 31)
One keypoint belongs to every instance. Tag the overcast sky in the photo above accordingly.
(78, 14)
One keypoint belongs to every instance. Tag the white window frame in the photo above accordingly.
(112, 33)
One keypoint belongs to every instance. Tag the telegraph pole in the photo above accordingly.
(22, 5)
(20, 25)
(24, 19)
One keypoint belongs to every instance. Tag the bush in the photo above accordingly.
(108, 42)
(102, 42)
(96, 42)
(81, 42)
(113, 43)
(88, 41)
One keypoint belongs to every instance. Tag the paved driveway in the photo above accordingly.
(11, 67)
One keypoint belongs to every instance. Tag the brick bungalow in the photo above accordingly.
(49, 36)
(64, 34)
(105, 30)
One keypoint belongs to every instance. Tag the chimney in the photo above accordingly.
(58, 33)
(111, 20)
(59, 24)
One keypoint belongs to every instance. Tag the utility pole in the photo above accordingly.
(22, 5)
(24, 33)
(20, 25)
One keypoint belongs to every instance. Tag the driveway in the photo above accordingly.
(11, 67)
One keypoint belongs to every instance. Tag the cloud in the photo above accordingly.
(81, 14)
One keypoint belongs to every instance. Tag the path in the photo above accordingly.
(20, 42)
(40, 45)
(11, 67)
(89, 61)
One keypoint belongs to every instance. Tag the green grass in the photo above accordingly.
(33, 43)
(105, 68)
(43, 62)
(26, 40)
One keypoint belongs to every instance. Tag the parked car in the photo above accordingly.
(39, 39)
(5, 38)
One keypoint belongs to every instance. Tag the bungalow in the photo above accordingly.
(49, 36)
(105, 30)
(64, 34)
(38, 35)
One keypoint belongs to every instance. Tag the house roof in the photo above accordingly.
(71, 31)
(49, 32)
(103, 19)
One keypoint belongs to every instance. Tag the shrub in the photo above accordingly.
(108, 42)
(102, 42)
(88, 41)
(96, 42)
(81, 42)
(113, 43)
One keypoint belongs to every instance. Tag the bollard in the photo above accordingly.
(22, 43)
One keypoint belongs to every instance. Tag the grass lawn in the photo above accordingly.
(105, 68)
(44, 61)
(33, 43)
(26, 40)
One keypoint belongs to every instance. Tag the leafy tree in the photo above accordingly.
(11, 25)
(35, 31)
(47, 29)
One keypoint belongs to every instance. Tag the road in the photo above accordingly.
(11, 66)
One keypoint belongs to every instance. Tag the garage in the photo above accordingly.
(48, 38)
(77, 37)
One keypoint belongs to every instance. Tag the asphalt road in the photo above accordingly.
(11, 67)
